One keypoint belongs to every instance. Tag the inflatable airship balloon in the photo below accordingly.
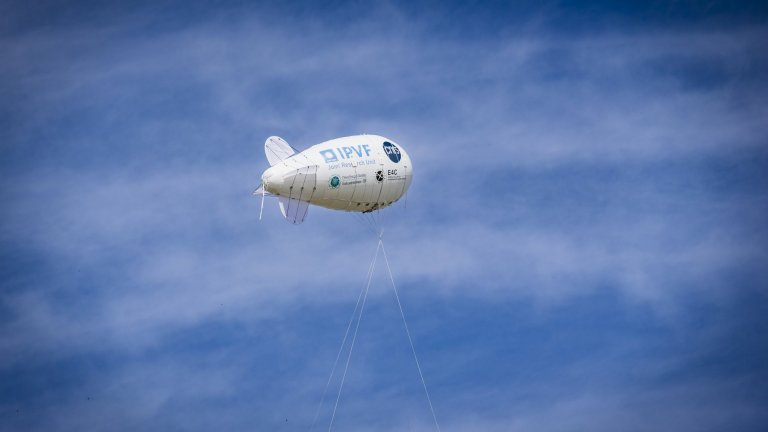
(360, 173)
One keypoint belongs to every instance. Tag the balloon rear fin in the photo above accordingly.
(277, 150)
(260, 191)
(293, 210)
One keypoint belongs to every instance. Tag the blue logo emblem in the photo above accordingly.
(329, 155)
(392, 151)
(335, 182)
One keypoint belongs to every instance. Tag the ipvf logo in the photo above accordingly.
(392, 151)
(348, 152)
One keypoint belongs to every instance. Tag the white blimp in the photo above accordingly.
(360, 173)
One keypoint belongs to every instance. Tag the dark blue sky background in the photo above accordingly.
(583, 248)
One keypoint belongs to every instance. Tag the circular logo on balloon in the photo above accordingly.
(379, 176)
(392, 151)
(334, 182)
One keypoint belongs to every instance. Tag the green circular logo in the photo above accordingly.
(335, 182)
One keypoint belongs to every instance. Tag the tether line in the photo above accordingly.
(341, 348)
(354, 335)
(407, 332)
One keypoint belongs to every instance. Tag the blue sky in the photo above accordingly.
(583, 247)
